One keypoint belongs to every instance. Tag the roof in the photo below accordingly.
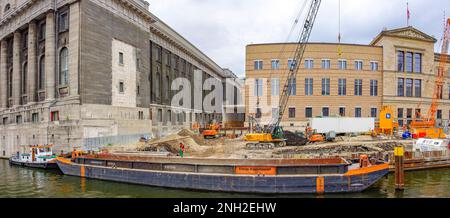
(406, 33)
(314, 43)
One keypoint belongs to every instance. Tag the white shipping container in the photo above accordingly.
(424, 145)
(342, 125)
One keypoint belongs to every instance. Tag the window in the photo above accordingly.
(35, 118)
(158, 85)
(418, 88)
(325, 87)
(10, 83)
(326, 64)
(167, 87)
(121, 87)
(409, 112)
(5, 120)
(358, 112)
(169, 116)
(41, 34)
(292, 87)
(373, 112)
(342, 111)
(342, 87)
(63, 22)
(409, 87)
(374, 66)
(275, 87)
(158, 54)
(120, 58)
(258, 87)
(400, 113)
(418, 113)
(258, 65)
(308, 112)
(275, 64)
(409, 62)
(309, 64)
(342, 65)
(63, 66)
(54, 116)
(258, 113)
(309, 86)
(358, 87)
(417, 63)
(400, 61)
(24, 78)
(159, 115)
(19, 119)
(401, 87)
(358, 65)
(373, 87)
(325, 112)
(291, 64)
(41, 82)
(291, 112)
(439, 114)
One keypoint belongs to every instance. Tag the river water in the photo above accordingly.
(24, 182)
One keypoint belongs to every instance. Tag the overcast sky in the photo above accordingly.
(222, 28)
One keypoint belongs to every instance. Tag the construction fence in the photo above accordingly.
(96, 144)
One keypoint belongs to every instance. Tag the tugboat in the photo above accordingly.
(40, 156)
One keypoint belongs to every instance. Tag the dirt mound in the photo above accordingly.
(188, 133)
(293, 139)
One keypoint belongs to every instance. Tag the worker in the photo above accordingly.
(182, 150)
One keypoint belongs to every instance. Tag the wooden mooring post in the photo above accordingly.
(399, 154)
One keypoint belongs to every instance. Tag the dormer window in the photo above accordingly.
(7, 7)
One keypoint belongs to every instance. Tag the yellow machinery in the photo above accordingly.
(263, 141)
(387, 124)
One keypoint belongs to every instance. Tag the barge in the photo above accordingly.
(40, 156)
(273, 176)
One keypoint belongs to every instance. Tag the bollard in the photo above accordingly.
(399, 154)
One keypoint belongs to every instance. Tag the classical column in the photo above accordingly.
(32, 80)
(3, 71)
(16, 68)
(50, 56)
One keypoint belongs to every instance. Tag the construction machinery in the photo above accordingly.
(272, 135)
(387, 124)
(212, 130)
(425, 126)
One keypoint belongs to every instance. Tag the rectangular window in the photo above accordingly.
(326, 64)
(418, 88)
(19, 119)
(374, 66)
(63, 22)
(358, 87)
(258, 113)
(325, 112)
(358, 65)
(292, 87)
(309, 64)
(275, 87)
(325, 87)
(35, 118)
(309, 86)
(342, 65)
(121, 87)
(409, 114)
(439, 114)
(401, 87)
(120, 58)
(258, 65)
(158, 54)
(342, 111)
(258, 92)
(54, 116)
(308, 112)
(291, 112)
(417, 63)
(291, 64)
(373, 112)
(409, 62)
(409, 87)
(275, 64)
(342, 87)
(400, 61)
(169, 116)
(400, 113)
(5, 120)
(141, 115)
(159, 115)
(41, 35)
(358, 112)
(418, 113)
(373, 87)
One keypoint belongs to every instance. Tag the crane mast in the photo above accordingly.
(298, 57)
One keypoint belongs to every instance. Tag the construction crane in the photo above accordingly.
(272, 135)
(426, 126)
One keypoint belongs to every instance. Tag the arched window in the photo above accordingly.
(158, 85)
(64, 66)
(7, 7)
(41, 82)
(24, 78)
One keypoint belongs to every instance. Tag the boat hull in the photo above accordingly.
(286, 184)
(52, 165)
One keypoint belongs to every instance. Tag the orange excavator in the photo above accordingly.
(212, 130)
(426, 125)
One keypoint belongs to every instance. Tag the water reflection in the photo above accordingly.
(25, 182)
